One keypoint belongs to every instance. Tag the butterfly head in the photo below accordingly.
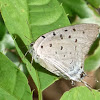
(33, 52)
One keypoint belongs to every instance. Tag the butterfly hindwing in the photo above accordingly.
(62, 51)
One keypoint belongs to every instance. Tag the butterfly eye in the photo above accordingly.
(31, 44)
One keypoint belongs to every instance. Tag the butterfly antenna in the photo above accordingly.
(26, 53)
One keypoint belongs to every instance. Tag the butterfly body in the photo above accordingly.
(63, 51)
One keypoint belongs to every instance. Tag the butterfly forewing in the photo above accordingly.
(62, 51)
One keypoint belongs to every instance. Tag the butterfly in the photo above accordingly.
(63, 50)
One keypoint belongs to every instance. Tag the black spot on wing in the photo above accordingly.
(54, 33)
(75, 40)
(55, 52)
(74, 29)
(61, 47)
(61, 36)
(43, 36)
(66, 30)
(50, 45)
(41, 46)
(69, 36)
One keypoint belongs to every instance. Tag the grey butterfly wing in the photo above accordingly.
(62, 51)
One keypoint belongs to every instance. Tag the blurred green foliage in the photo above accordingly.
(31, 19)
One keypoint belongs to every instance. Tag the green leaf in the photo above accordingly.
(31, 19)
(2, 28)
(81, 93)
(94, 18)
(78, 7)
(93, 61)
(6, 43)
(13, 83)
(46, 15)
(95, 3)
